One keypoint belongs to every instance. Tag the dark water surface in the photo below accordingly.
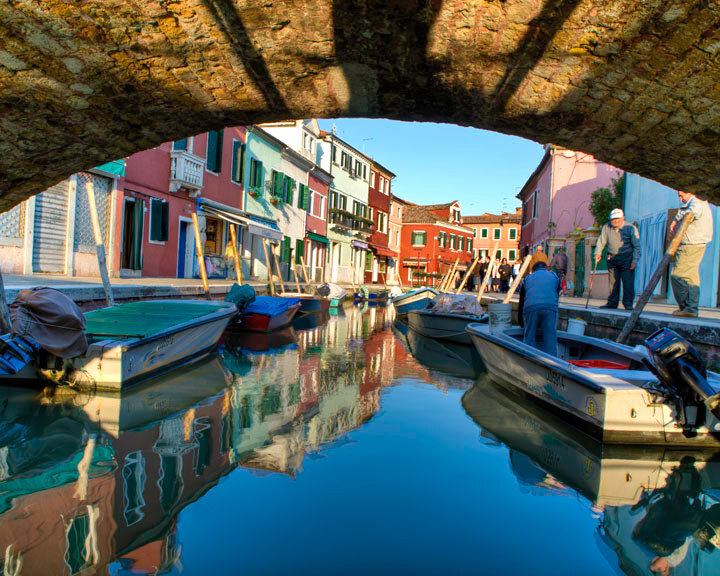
(331, 449)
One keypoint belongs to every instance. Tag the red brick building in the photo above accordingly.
(432, 240)
(489, 228)
(379, 256)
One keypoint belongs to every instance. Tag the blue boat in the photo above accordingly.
(418, 299)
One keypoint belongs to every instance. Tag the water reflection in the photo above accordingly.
(95, 482)
(658, 508)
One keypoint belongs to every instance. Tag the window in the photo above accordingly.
(159, 220)
(368, 261)
(483, 232)
(498, 255)
(470, 245)
(512, 255)
(372, 179)
(238, 162)
(256, 175)
(381, 223)
(289, 190)
(512, 234)
(213, 237)
(334, 154)
(285, 249)
(304, 197)
(453, 242)
(483, 253)
(79, 544)
(526, 212)
(496, 233)
(399, 212)
(180, 144)
(397, 237)
(369, 212)
(461, 242)
(419, 238)
(213, 161)
(364, 175)
(382, 184)
(277, 183)
(534, 204)
(299, 250)
(456, 214)
(387, 187)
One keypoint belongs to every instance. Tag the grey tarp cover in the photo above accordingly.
(51, 319)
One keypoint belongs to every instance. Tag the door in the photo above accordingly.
(132, 234)
(50, 230)
(335, 262)
(186, 250)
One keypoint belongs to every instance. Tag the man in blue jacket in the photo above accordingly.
(538, 309)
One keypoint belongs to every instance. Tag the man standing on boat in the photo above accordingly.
(623, 244)
(538, 308)
(685, 276)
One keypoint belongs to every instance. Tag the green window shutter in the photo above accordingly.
(165, 227)
(299, 250)
(259, 176)
(219, 151)
(212, 146)
(180, 144)
(286, 249)
(424, 238)
(306, 199)
(301, 195)
(238, 161)
(276, 182)
(289, 188)
(156, 214)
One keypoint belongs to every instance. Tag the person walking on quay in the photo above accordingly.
(559, 264)
(538, 308)
(685, 275)
(505, 271)
(623, 244)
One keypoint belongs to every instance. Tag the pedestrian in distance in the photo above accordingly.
(623, 244)
(516, 269)
(685, 275)
(505, 271)
(538, 308)
(538, 256)
(559, 264)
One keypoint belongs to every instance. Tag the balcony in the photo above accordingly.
(362, 227)
(186, 172)
(341, 219)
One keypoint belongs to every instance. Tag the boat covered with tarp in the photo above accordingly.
(448, 318)
(658, 393)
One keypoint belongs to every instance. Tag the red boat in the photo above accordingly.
(268, 313)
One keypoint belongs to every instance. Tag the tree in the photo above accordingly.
(604, 200)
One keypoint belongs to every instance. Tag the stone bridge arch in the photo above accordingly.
(634, 82)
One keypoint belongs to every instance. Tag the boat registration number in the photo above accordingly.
(554, 379)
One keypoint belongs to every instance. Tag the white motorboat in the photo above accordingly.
(418, 299)
(618, 394)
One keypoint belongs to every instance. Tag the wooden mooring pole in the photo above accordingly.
(200, 255)
(99, 244)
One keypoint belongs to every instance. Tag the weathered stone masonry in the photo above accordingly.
(634, 82)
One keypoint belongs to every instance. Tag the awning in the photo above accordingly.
(360, 245)
(380, 251)
(317, 238)
(116, 167)
(264, 228)
(258, 226)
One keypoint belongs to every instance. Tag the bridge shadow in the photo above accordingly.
(231, 25)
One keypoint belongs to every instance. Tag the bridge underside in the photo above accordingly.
(634, 82)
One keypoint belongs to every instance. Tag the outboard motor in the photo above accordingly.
(678, 366)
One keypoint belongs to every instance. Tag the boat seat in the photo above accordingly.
(633, 376)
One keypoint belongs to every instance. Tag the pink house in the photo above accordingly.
(316, 222)
(556, 197)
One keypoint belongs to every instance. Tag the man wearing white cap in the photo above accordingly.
(623, 244)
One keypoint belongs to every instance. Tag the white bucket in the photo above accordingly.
(576, 326)
(499, 316)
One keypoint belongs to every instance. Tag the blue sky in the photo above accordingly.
(436, 163)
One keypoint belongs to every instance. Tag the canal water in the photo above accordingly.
(342, 445)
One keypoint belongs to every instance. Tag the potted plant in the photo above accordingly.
(253, 192)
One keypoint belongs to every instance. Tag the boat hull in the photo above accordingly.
(600, 404)
(443, 326)
(114, 365)
(419, 300)
(381, 296)
(257, 322)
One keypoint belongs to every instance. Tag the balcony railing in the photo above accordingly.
(341, 220)
(362, 228)
(186, 171)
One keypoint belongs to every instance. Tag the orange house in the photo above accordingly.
(490, 228)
